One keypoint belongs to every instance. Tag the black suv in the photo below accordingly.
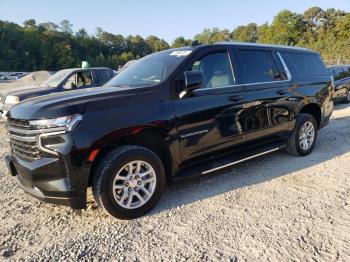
(341, 75)
(169, 115)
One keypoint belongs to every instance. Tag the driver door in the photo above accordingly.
(212, 117)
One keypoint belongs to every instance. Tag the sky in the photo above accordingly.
(165, 19)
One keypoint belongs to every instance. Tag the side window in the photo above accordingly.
(78, 80)
(331, 72)
(256, 66)
(308, 64)
(216, 69)
(84, 79)
(339, 73)
(104, 76)
(71, 82)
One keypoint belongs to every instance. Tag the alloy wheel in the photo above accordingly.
(307, 135)
(134, 184)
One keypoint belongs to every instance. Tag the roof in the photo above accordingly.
(90, 68)
(248, 44)
(265, 45)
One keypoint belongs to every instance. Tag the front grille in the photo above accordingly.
(23, 139)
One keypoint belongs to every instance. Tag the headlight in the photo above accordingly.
(12, 100)
(65, 123)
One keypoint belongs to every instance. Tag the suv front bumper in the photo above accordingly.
(46, 179)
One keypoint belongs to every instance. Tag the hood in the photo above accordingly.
(70, 102)
(8, 91)
(29, 92)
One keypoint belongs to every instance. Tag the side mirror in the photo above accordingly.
(193, 81)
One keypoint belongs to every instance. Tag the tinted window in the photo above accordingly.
(256, 66)
(339, 73)
(216, 69)
(84, 79)
(308, 64)
(104, 76)
(331, 72)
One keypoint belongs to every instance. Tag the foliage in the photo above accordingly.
(51, 47)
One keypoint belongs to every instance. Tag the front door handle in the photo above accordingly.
(235, 98)
(281, 92)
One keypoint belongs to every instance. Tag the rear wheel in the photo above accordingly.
(304, 136)
(128, 182)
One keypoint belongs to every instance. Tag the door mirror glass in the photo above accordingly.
(193, 81)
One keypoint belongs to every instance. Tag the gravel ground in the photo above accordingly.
(276, 208)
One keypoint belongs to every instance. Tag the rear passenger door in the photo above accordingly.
(265, 82)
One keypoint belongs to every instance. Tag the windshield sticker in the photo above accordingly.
(181, 53)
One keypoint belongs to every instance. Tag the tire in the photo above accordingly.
(113, 184)
(294, 146)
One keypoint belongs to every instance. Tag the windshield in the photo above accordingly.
(56, 78)
(150, 70)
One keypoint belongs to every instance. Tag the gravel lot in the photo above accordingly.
(276, 208)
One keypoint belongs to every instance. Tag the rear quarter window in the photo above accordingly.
(308, 64)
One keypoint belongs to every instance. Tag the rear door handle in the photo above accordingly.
(281, 92)
(235, 98)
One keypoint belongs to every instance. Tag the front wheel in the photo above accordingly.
(304, 136)
(128, 182)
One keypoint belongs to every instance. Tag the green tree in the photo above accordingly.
(286, 29)
(82, 33)
(66, 26)
(30, 24)
(181, 42)
(49, 26)
(247, 33)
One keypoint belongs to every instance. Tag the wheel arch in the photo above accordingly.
(314, 110)
(151, 137)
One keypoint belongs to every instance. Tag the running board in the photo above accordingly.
(240, 161)
(218, 162)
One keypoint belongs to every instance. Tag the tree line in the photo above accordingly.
(50, 46)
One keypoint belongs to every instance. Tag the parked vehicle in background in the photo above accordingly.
(63, 80)
(14, 76)
(341, 75)
(169, 115)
